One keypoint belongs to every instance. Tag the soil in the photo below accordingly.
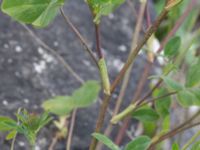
(30, 74)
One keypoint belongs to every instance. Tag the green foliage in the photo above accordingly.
(162, 105)
(193, 75)
(172, 47)
(139, 143)
(187, 98)
(175, 146)
(103, 7)
(36, 12)
(28, 124)
(145, 114)
(171, 84)
(82, 97)
(106, 141)
(149, 128)
(196, 146)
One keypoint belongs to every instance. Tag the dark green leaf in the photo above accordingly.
(162, 105)
(36, 12)
(172, 47)
(139, 143)
(145, 114)
(106, 141)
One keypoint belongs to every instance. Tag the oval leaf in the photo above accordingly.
(172, 47)
(82, 97)
(145, 114)
(106, 141)
(140, 143)
(36, 12)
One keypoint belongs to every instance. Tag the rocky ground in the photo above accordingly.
(30, 74)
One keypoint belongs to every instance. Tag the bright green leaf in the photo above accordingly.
(36, 12)
(145, 114)
(106, 141)
(175, 146)
(87, 94)
(139, 143)
(172, 47)
(193, 75)
(82, 97)
(7, 124)
(149, 128)
(11, 135)
(60, 105)
(103, 7)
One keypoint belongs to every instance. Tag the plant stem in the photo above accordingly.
(178, 24)
(124, 86)
(80, 37)
(175, 131)
(106, 101)
(98, 41)
(69, 140)
(13, 143)
(191, 141)
(136, 106)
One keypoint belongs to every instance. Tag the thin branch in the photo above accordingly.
(80, 37)
(184, 126)
(98, 41)
(55, 53)
(72, 122)
(178, 24)
(53, 143)
(106, 101)
(124, 86)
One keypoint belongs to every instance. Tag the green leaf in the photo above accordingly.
(193, 75)
(60, 105)
(196, 146)
(172, 47)
(7, 124)
(162, 105)
(175, 146)
(139, 143)
(145, 114)
(106, 141)
(103, 7)
(149, 128)
(186, 98)
(36, 12)
(83, 97)
(171, 84)
(87, 94)
(11, 135)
